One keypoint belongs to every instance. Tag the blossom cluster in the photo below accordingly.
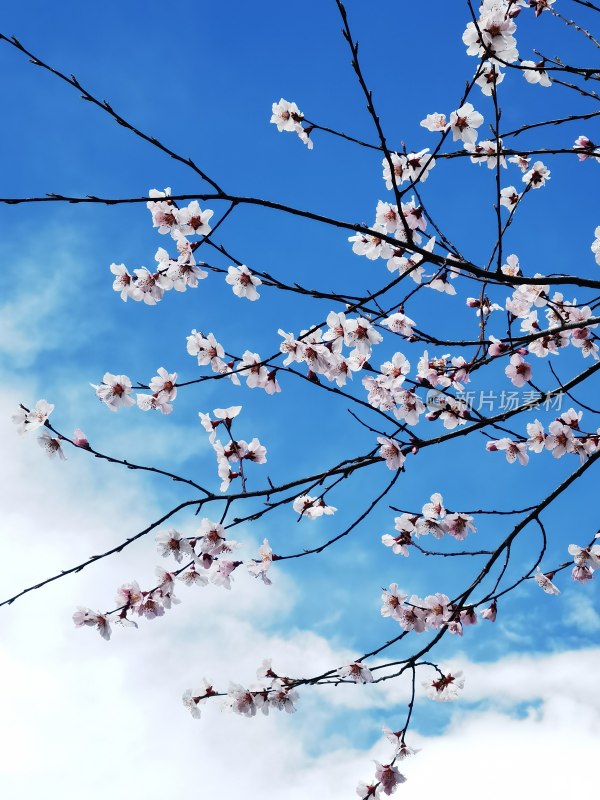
(180, 273)
(206, 558)
(235, 451)
(115, 392)
(560, 440)
(272, 692)
(523, 305)
(435, 611)
(27, 421)
(587, 561)
(435, 520)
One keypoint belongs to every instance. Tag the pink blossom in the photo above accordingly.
(464, 122)
(243, 282)
(356, 672)
(435, 123)
(445, 688)
(31, 420)
(519, 371)
(514, 450)
(490, 612)
(391, 452)
(85, 616)
(393, 601)
(51, 445)
(389, 777)
(114, 391)
(545, 582)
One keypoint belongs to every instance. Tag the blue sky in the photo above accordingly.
(202, 81)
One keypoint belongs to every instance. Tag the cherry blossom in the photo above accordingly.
(191, 577)
(282, 697)
(123, 280)
(356, 672)
(541, 5)
(193, 221)
(312, 507)
(243, 282)
(586, 149)
(193, 698)
(146, 287)
(437, 609)
(362, 335)
(164, 390)
(410, 167)
(509, 197)
(464, 122)
(288, 117)
(535, 73)
(537, 176)
(31, 420)
(441, 284)
(459, 525)
(435, 122)
(429, 525)
(537, 437)
(114, 391)
(391, 452)
(181, 273)
(595, 248)
(222, 577)
(164, 384)
(545, 582)
(393, 601)
(399, 165)
(402, 750)
(493, 33)
(241, 700)
(497, 347)
(165, 215)
(399, 543)
(206, 348)
(514, 450)
(522, 162)
(85, 616)
(256, 374)
(400, 323)
(445, 688)
(170, 543)
(518, 371)
(486, 152)
(80, 439)
(259, 568)
(586, 556)
(371, 245)
(468, 616)
(490, 76)
(483, 306)
(367, 791)
(51, 445)
(409, 265)
(389, 776)
(560, 439)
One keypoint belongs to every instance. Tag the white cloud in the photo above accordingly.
(41, 310)
(580, 611)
